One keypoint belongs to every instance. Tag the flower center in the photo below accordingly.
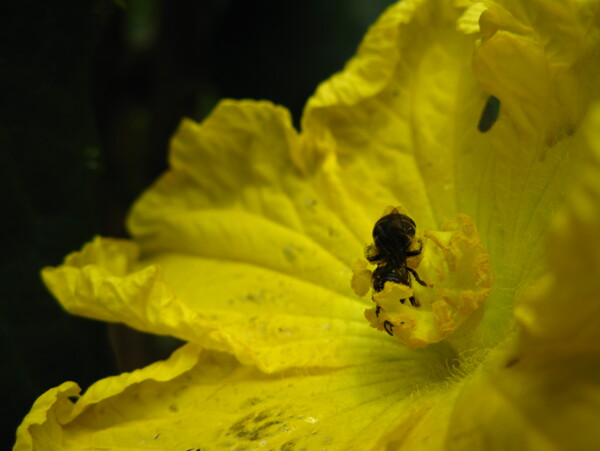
(426, 287)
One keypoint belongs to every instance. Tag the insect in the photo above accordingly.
(393, 236)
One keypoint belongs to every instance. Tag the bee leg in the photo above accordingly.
(416, 276)
(413, 301)
(417, 252)
(389, 327)
(372, 253)
(377, 310)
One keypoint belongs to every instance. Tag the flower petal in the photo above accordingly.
(266, 319)
(45, 424)
(564, 307)
(423, 426)
(277, 321)
(98, 282)
(41, 426)
(220, 404)
(233, 193)
(540, 60)
(542, 390)
(398, 114)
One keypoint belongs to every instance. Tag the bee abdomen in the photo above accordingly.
(382, 275)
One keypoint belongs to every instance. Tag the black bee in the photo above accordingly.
(393, 236)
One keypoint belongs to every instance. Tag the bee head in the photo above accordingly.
(393, 235)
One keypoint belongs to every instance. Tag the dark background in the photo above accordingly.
(90, 92)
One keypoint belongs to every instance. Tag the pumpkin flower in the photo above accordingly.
(477, 120)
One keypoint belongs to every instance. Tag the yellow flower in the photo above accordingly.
(246, 247)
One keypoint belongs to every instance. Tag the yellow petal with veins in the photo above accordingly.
(541, 388)
(48, 422)
(297, 324)
(207, 400)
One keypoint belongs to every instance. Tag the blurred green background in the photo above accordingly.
(90, 92)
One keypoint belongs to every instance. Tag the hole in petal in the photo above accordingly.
(489, 115)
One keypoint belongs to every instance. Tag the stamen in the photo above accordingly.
(457, 272)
